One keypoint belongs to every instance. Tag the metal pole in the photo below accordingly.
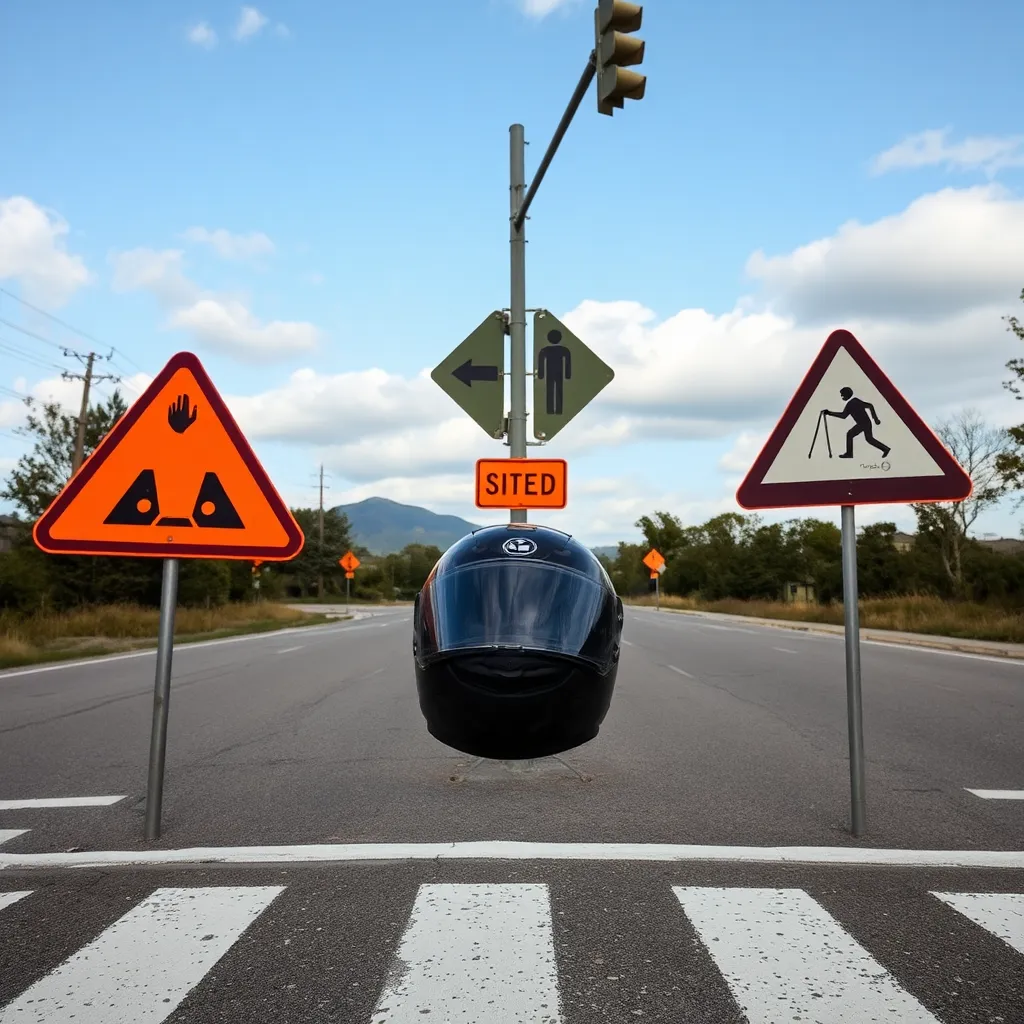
(79, 452)
(161, 697)
(563, 126)
(657, 593)
(853, 696)
(517, 305)
(348, 593)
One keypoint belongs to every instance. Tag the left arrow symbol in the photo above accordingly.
(468, 373)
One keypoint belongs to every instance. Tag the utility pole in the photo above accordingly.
(320, 574)
(614, 21)
(88, 379)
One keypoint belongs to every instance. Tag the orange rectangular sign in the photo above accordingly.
(521, 483)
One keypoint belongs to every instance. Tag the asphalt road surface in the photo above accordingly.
(726, 742)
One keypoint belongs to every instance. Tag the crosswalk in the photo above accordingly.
(491, 952)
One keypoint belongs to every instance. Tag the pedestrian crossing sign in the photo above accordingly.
(848, 437)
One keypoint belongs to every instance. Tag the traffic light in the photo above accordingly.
(614, 48)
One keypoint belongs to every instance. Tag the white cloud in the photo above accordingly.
(155, 271)
(227, 325)
(250, 22)
(948, 251)
(231, 246)
(281, 30)
(319, 408)
(33, 252)
(931, 148)
(220, 322)
(542, 8)
(202, 35)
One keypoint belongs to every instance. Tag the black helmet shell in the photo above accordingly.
(516, 643)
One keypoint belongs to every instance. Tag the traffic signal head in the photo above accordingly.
(614, 49)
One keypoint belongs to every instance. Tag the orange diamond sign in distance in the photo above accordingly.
(653, 560)
(174, 478)
(349, 562)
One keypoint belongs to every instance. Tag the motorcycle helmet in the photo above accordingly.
(516, 637)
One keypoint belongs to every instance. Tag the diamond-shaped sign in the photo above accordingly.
(567, 376)
(473, 375)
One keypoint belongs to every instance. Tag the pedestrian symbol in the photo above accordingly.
(862, 413)
(554, 365)
(567, 375)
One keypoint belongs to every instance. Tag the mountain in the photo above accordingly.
(384, 527)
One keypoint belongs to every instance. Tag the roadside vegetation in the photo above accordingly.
(965, 620)
(106, 629)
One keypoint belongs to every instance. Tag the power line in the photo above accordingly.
(67, 326)
(32, 334)
(27, 357)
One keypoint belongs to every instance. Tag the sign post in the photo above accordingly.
(175, 478)
(161, 698)
(905, 463)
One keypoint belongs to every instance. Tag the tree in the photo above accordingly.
(39, 476)
(312, 561)
(1010, 463)
(978, 447)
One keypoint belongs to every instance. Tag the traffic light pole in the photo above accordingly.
(517, 305)
(519, 204)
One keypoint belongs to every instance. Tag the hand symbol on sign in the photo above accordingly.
(178, 417)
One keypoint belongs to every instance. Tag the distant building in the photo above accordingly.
(799, 593)
(903, 541)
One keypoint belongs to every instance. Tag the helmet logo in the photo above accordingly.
(519, 546)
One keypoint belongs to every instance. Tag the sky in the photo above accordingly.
(317, 206)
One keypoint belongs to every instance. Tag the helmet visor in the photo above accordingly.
(520, 605)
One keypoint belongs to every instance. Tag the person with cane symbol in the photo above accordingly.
(862, 414)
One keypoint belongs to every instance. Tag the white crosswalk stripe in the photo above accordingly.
(488, 953)
(143, 965)
(1001, 913)
(786, 958)
(475, 954)
(7, 898)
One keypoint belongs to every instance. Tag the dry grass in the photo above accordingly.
(100, 630)
(931, 615)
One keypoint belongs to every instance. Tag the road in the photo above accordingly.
(726, 741)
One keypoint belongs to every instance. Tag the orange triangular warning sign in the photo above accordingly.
(174, 478)
(848, 437)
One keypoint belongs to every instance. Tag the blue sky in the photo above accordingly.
(317, 206)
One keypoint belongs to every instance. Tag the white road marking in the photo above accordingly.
(998, 794)
(474, 954)
(680, 671)
(7, 898)
(288, 650)
(785, 650)
(785, 958)
(180, 649)
(1001, 913)
(7, 834)
(627, 643)
(143, 965)
(65, 801)
(509, 850)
